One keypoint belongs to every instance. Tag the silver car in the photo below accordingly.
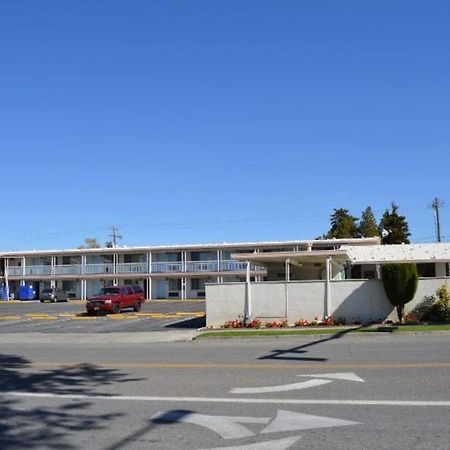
(53, 295)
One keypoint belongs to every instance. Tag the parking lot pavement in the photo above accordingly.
(29, 317)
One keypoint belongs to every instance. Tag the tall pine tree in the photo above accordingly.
(343, 225)
(368, 225)
(393, 227)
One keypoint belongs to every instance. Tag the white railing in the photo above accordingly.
(202, 266)
(38, 270)
(166, 267)
(132, 268)
(14, 271)
(68, 269)
(94, 269)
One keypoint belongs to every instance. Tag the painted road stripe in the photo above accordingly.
(10, 318)
(145, 398)
(203, 366)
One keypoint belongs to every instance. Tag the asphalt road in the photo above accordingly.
(352, 392)
(33, 316)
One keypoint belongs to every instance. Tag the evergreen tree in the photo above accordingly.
(343, 225)
(393, 227)
(368, 225)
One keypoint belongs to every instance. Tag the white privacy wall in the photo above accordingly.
(351, 299)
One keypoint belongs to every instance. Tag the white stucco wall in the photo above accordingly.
(362, 299)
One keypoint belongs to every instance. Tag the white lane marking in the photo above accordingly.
(349, 376)
(280, 388)
(228, 427)
(278, 444)
(293, 421)
(230, 400)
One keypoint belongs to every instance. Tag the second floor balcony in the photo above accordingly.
(132, 268)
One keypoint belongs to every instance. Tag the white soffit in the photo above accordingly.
(399, 253)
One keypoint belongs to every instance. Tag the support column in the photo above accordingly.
(248, 297)
(22, 281)
(115, 257)
(328, 287)
(287, 275)
(149, 278)
(52, 271)
(6, 277)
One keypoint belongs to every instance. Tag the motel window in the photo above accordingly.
(426, 270)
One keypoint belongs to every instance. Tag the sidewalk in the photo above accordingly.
(146, 337)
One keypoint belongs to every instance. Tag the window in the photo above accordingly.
(426, 270)
(197, 284)
(175, 285)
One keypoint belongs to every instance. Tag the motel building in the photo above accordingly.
(164, 272)
(268, 280)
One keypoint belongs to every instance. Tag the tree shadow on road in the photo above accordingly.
(292, 354)
(28, 423)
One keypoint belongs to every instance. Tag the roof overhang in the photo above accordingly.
(296, 258)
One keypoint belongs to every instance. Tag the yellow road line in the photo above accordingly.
(255, 366)
(10, 317)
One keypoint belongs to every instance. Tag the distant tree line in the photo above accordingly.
(392, 227)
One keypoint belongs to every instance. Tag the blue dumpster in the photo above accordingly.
(26, 292)
(4, 293)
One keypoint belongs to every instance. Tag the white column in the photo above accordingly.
(22, 282)
(149, 288)
(328, 287)
(287, 275)
(248, 296)
(52, 271)
(6, 277)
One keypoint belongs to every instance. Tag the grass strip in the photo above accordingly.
(250, 333)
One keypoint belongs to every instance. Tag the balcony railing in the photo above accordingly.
(67, 269)
(94, 269)
(133, 268)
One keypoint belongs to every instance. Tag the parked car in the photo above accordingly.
(53, 295)
(115, 298)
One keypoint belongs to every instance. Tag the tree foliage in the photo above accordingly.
(400, 284)
(343, 225)
(368, 225)
(393, 227)
(90, 243)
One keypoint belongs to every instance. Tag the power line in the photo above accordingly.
(114, 235)
(436, 204)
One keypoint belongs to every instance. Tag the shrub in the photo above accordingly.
(255, 323)
(233, 324)
(277, 324)
(435, 308)
(400, 284)
(302, 323)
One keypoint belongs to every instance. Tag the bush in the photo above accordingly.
(435, 308)
(400, 284)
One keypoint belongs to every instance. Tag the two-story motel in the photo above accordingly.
(179, 272)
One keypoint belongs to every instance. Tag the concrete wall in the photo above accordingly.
(351, 299)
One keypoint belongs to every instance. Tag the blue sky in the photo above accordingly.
(210, 121)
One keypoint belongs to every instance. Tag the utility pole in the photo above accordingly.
(114, 235)
(436, 204)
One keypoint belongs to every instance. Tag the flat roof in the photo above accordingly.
(198, 247)
(402, 253)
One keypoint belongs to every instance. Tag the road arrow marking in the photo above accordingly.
(293, 421)
(349, 376)
(280, 388)
(278, 444)
(228, 427)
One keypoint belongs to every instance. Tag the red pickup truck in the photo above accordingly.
(115, 298)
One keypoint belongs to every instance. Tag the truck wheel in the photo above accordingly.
(116, 308)
(137, 307)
